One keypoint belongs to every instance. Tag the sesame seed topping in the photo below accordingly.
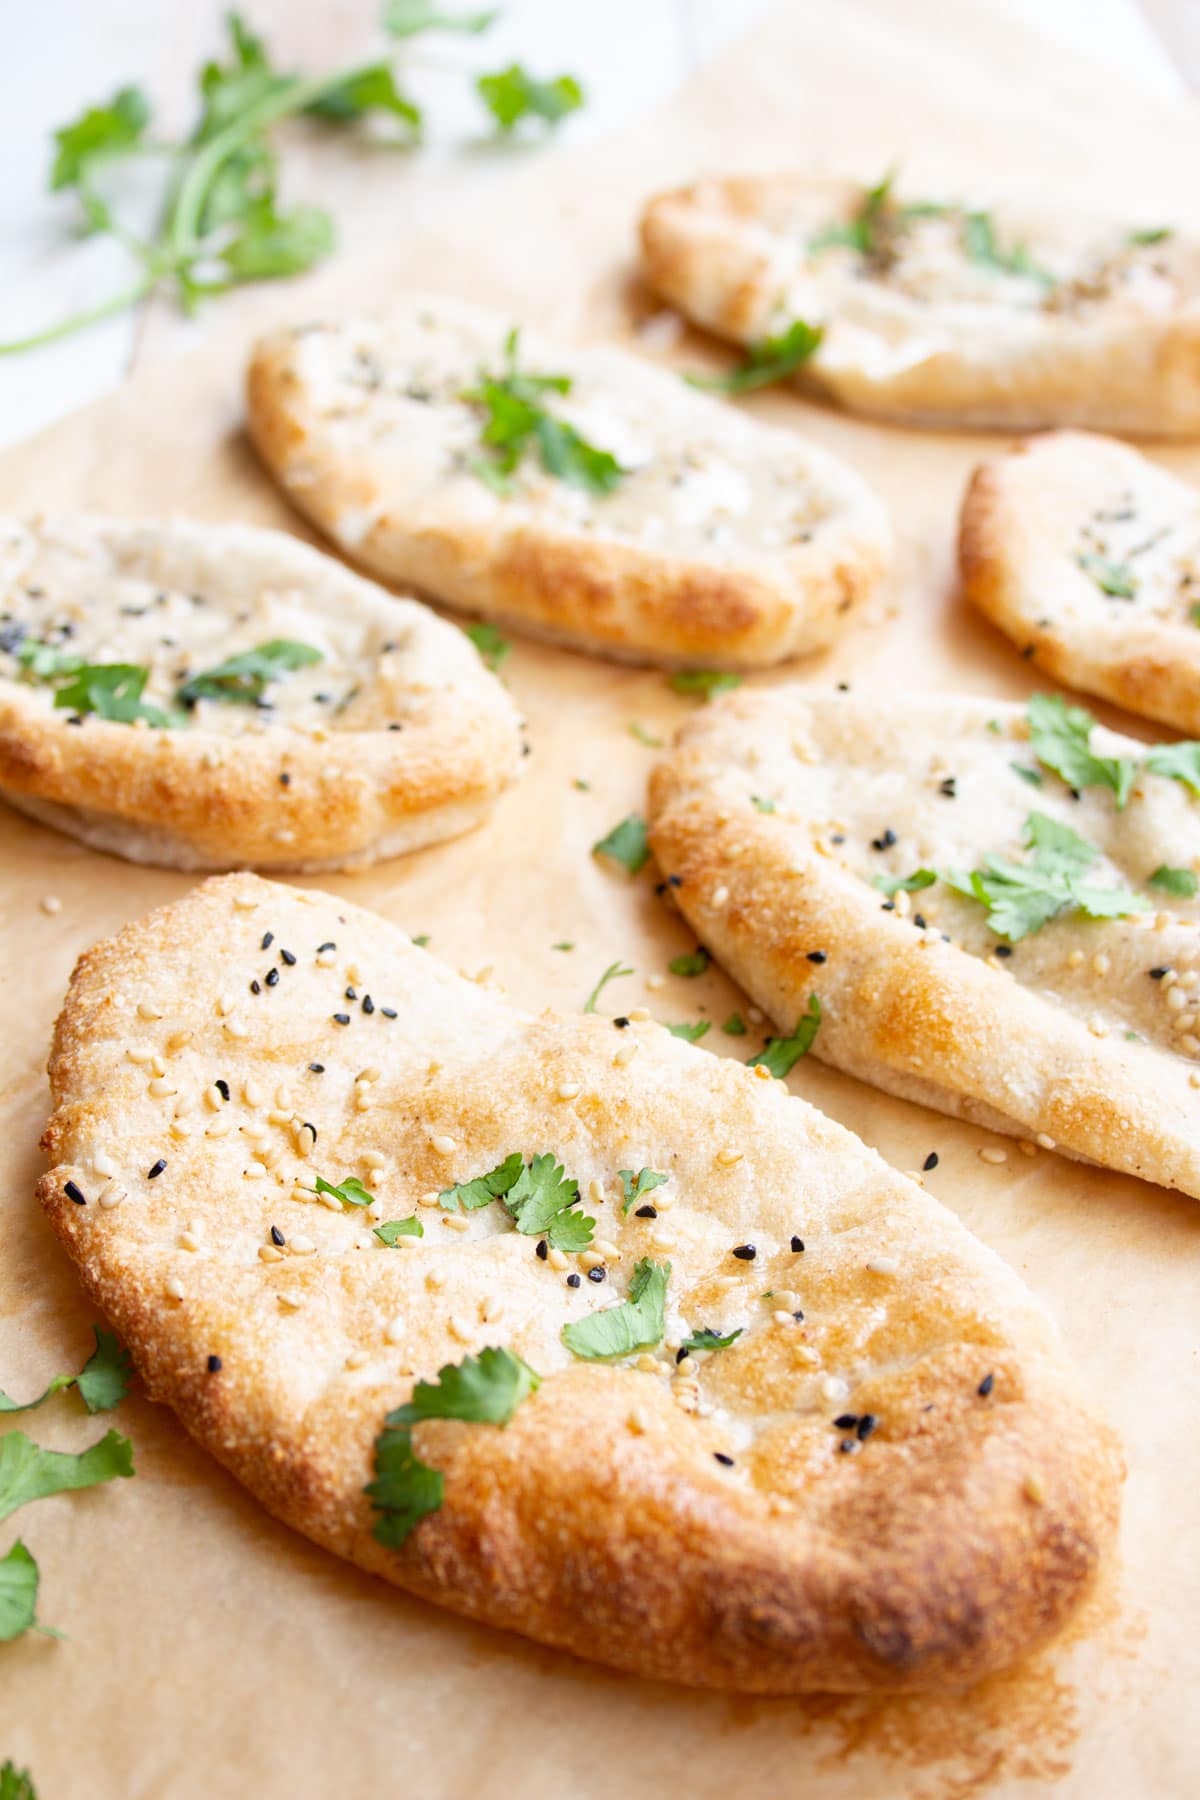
(74, 1192)
(558, 1260)
(568, 1090)
(111, 1196)
(745, 1252)
(574, 1281)
(357, 1359)
(277, 1236)
(992, 1153)
(883, 1265)
(797, 1245)
(597, 1273)
(816, 956)
(393, 1331)
(445, 1146)
(341, 1018)
(542, 1252)
(636, 1421)
(50, 903)
(174, 1287)
(720, 896)
(986, 1385)
(729, 1156)
(1034, 1489)
(645, 1212)
(726, 1462)
(156, 1169)
(268, 1253)
(214, 1365)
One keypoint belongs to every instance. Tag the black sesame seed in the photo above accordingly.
(321, 947)
(351, 993)
(799, 1317)
(222, 1087)
(866, 1426)
(986, 1385)
(316, 1068)
(675, 881)
(726, 1462)
(574, 1280)
(285, 956)
(214, 1365)
(815, 956)
(1157, 974)
(74, 1192)
(543, 1250)
(931, 1161)
(156, 1169)
(884, 841)
(368, 1004)
(1003, 950)
(745, 1252)
(268, 940)
(389, 1012)
(272, 977)
(277, 1236)
(948, 788)
(919, 921)
(838, 837)
(255, 987)
(341, 1018)
(846, 1421)
(621, 1023)
(285, 779)
(848, 1444)
(797, 1245)
(681, 1353)
(597, 1274)
(646, 1212)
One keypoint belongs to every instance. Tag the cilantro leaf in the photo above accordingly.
(570, 1232)
(614, 972)
(634, 1186)
(572, 459)
(1034, 777)
(1060, 736)
(1156, 234)
(243, 679)
(637, 1324)
(367, 91)
(350, 1192)
(772, 359)
(705, 682)
(1115, 578)
(708, 1339)
(904, 884)
(491, 644)
(102, 1383)
(763, 806)
(778, 1054)
(405, 18)
(46, 662)
(1180, 761)
(982, 246)
(517, 421)
(512, 95)
(1022, 897)
(693, 963)
(100, 134)
(691, 1034)
(639, 731)
(27, 1472)
(271, 244)
(540, 1201)
(18, 1613)
(110, 690)
(626, 844)
(392, 1230)
(862, 232)
(1175, 881)
(471, 1195)
(735, 1025)
(484, 1389)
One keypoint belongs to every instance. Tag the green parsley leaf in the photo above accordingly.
(367, 91)
(101, 134)
(614, 972)
(18, 1614)
(1115, 578)
(512, 95)
(904, 884)
(1180, 761)
(626, 844)
(778, 1054)
(708, 1339)
(735, 1025)
(350, 1192)
(540, 1201)
(491, 644)
(1060, 736)
(1175, 881)
(102, 1383)
(693, 963)
(1022, 897)
(772, 359)
(243, 679)
(638, 730)
(471, 1195)
(691, 1034)
(764, 806)
(405, 18)
(110, 690)
(634, 1186)
(486, 1389)
(392, 1230)
(1156, 234)
(705, 682)
(637, 1324)
(27, 1472)
(571, 458)
(271, 244)
(517, 422)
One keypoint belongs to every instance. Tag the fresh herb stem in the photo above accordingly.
(92, 315)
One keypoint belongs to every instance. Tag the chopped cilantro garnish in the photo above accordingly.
(694, 962)
(638, 730)
(1022, 897)
(982, 246)
(1194, 614)
(1156, 234)
(539, 1199)
(484, 1188)
(1115, 578)
(421, 939)
(350, 1192)
(1033, 776)
(634, 1186)
(862, 232)
(735, 1025)
(779, 1054)
(242, 680)
(1175, 881)
(626, 844)
(491, 644)
(764, 806)
(112, 691)
(904, 884)
(392, 1230)
(708, 1339)
(614, 972)
(705, 682)
(404, 18)
(486, 1389)
(512, 95)
(637, 1324)
(567, 944)
(1179, 761)
(1061, 739)
(101, 1384)
(18, 1614)
(771, 359)
(516, 421)
(691, 1034)
(27, 1472)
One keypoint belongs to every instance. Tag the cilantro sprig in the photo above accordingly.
(708, 683)
(1060, 736)
(1116, 579)
(27, 1472)
(770, 360)
(540, 1198)
(708, 1339)
(627, 844)
(779, 1054)
(101, 1384)
(1021, 897)
(616, 971)
(111, 691)
(636, 1324)
(484, 1389)
(19, 1577)
(350, 1192)
(513, 97)
(392, 1230)
(242, 680)
(517, 422)
(633, 1187)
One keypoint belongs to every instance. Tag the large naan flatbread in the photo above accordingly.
(1080, 1031)
(940, 313)
(886, 1480)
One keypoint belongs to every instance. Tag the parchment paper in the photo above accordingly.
(209, 1651)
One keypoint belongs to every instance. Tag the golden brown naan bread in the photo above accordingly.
(1088, 556)
(708, 1521)
(724, 543)
(942, 315)
(1083, 1034)
(392, 735)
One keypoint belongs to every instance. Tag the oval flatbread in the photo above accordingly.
(941, 314)
(1088, 556)
(869, 1469)
(209, 696)
(982, 934)
(610, 507)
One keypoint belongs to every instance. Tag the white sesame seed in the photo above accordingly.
(252, 1094)
(1075, 960)
(637, 1015)
(883, 1265)
(301, 1246)
(110, 1196)
(781, 1317)
(373, 1159)
(1034, 1488)
(429, 1199)
(330, 1202)
(103, 1164)
(277, 1116)
(605, 1248)
(371, 1074)
(787, 1298)
(175, 1287)
(1043, 1141)
(493, 1309)
(590, 1259)
(661, 1240)
(762, 1072)
(236, 1029)
(244, 903)
(146, 1011)
(1176, 999)
(1097, 1026)
(462, 1329)
(292, 1302)
(161, 1089)
(177, 1040)
(254, 1170)
(729, 1156)
(647, 1364)
(568, 1090)
(626, 1054)
(455, 1222)
(216, 1128)
(357, 1359)
(595, 1190)
(362, 1100)
(283, 1098)
(992, 1153)
(435, 1279)
(654, 983)
(1101, 964)
(50, 903)
(188, 1240)
(157, 1067)
(556, 1259)
(636, 1421)
(445, 1146)
(180, 1128)
(326, 958)
(138, 1053)
(393, 1331)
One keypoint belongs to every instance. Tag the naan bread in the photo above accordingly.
(390, 737)
(725, 542)
(948, 317)
(1088, 556)
(1083, 1034)
(708, 1521)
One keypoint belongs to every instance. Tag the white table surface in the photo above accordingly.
(631, 56)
